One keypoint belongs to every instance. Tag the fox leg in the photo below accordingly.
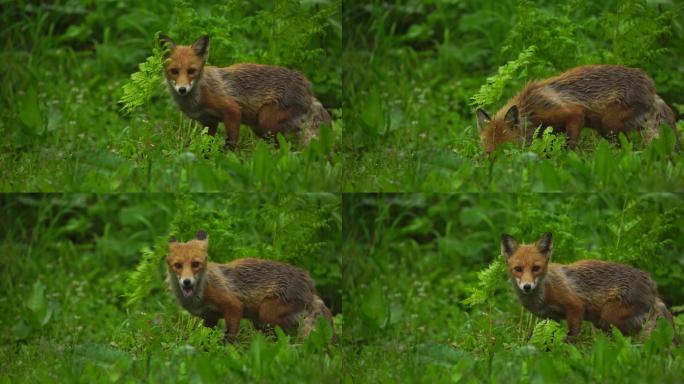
(212, 128)
(210, 319)
(231, 123)
(574, 125)
(274, 312)
(627, 319)
(273, 119)
(574, 314)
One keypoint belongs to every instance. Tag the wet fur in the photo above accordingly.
(268, 98)
(268, 293)
(608, 98)
(605, 293)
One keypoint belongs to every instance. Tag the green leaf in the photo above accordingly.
(29, 112)
(38, 305)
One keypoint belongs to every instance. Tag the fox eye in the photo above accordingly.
(178, 265)
(174, 71)
(195, 264)
(191, 71)
(518, 269)
(536, 268)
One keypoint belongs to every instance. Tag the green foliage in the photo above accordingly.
(89, 301)
(145, 275)
(414, 73)
(492, 90)
(83, 109)
(488, 280)
(417, 309)
(548, 334)
(139, 89)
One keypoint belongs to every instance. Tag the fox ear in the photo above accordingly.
(512, 118)
(482, 119)
(166, 43)
(201, 46)
(545, 244)
(508, 245)
(201, 235)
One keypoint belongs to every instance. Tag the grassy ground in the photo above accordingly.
(411, 71)
(69, 262)
(64, 68)
(411, 261)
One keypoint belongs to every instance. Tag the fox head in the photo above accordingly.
(183, 64)
(503, 128)
(188, 262)
(527, 263)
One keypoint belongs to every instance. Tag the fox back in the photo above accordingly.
(608, 98)
(254, 280)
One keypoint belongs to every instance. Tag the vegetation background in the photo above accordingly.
(67, 66)
(415, 71)
(418, 310)
(85, 297)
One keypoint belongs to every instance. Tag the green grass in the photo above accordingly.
(412, 260)
(412, 73)
(65, 66)
(66, 311)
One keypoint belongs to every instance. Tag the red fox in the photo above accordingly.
(608, 98)
(607, 294)
(269, 293)
(268, 98)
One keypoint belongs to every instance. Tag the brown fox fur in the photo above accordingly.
(608, 98)
(267, 292)
(605, 293)
(268, 98)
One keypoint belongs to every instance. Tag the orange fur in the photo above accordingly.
(607, 294)
(608, 98)
(269, 99)
(266, 292)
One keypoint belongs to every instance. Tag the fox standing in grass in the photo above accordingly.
(608, 98)
(267, 292)
(270, 99)
(607, 294)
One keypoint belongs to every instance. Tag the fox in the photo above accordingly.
(608, 98)
(270, 99)
(268, 293)
(605, 293)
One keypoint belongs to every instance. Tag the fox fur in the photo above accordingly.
(605, 293)
(270, 99)
(267, 292)
(608, 98)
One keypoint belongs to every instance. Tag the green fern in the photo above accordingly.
(492, 90)
(142, 84)
(547, 334)
(488, 279)
(146, 275)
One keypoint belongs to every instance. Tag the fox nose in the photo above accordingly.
(182, 90)
(527, 287)
(187, 282)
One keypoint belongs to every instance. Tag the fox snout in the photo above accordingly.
(182, 89)
(525, 286)
(187, 285)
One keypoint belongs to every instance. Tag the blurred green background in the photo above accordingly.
(85, 297)
(412, 69)
(412, 260)
(65, 64)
